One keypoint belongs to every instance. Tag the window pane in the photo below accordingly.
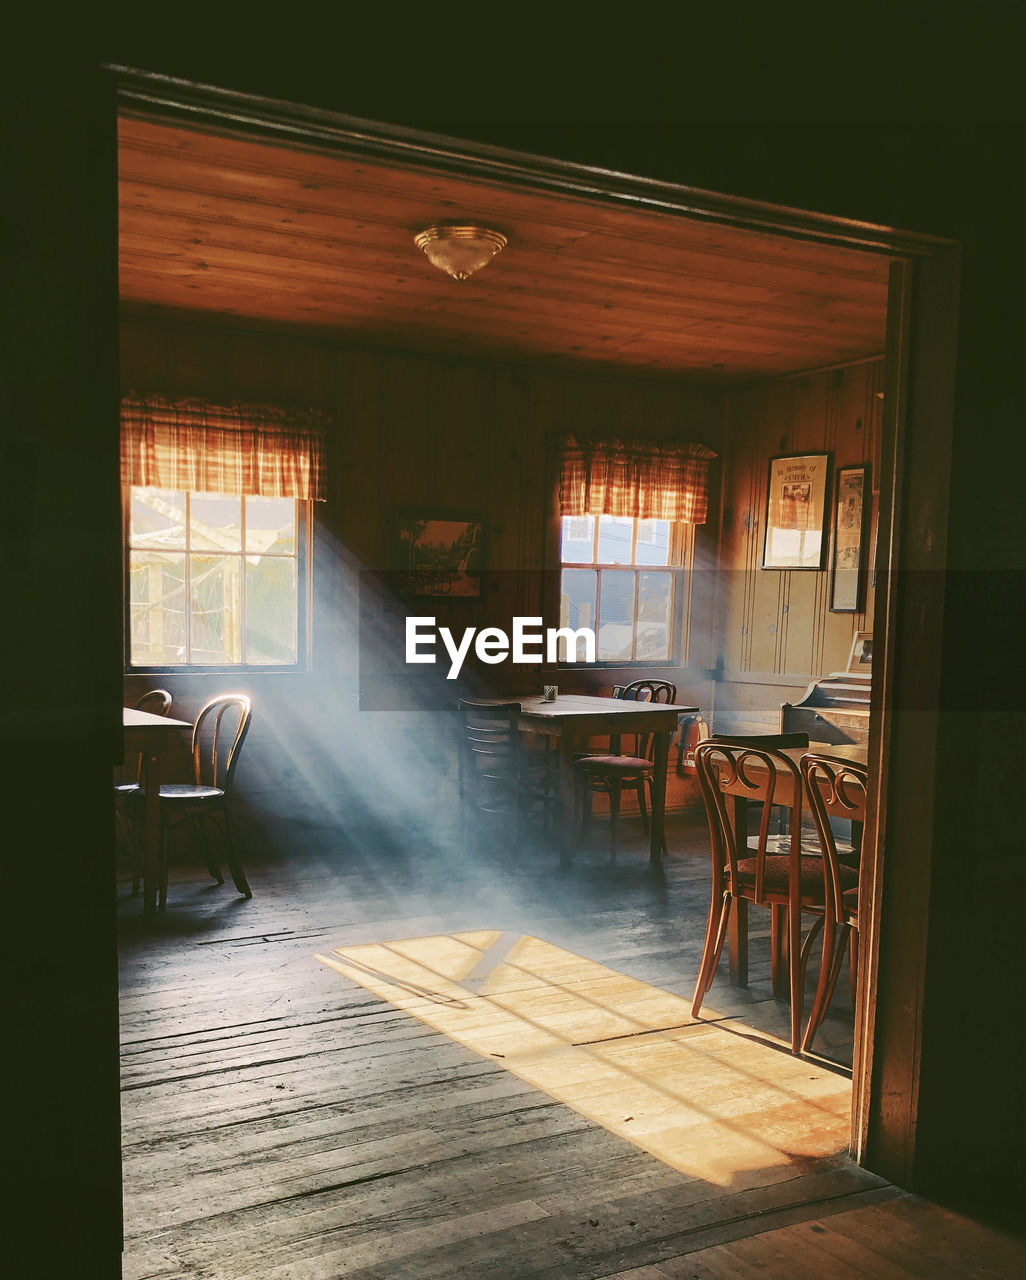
(215, 522)
(157, 608)
(577, 545)
(614, 540)
(271, 525)
(576, 606)
(653, 542)
(616, 616)
(271, 610)
(655, 597)
(157, 519)
(214, 609)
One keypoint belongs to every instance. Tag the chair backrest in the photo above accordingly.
(762, 773)
(217, 737)
(489, 754)
(158, 703)
(647, 691)
(642, 691)
(835, 789)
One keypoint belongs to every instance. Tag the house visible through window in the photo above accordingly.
(621, 576)
(214, 579)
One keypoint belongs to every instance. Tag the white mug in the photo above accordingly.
(550, 692)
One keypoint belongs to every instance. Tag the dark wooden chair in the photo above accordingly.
(835, 791)
(501, 783)
(616, 770)
(158, 703)
(791, 881)
(218, 734)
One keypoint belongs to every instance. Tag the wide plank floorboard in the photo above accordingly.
(283, 1122)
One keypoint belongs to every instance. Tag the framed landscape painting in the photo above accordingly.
(440, 554)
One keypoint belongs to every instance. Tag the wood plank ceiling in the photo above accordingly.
(238, 231)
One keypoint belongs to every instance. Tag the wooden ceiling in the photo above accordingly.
(232, 230)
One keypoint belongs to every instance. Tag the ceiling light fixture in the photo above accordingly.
(459, 250)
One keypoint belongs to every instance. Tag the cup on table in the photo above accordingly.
(550, 692)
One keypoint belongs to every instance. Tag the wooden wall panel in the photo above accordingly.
(777, 630)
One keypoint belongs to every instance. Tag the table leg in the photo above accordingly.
(566, 799)
(737, 931)
(657, 826)
(151, 833)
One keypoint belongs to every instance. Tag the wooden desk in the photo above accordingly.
(149, 736)
(737, 936)
(573, 718)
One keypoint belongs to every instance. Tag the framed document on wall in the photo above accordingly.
(796, 505)
(847, 581)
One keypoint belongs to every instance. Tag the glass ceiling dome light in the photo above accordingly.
(459, 250)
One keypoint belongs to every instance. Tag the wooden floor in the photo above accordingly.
(283, 1119)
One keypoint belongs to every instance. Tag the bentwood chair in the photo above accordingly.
(613, 772)
(835, 790)
(218, 734)
(158, 703)
(793, 881)
(498, 782)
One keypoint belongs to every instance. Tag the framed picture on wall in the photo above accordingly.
(847, 579)
(440, 554)
(796, 506)
(860, 660)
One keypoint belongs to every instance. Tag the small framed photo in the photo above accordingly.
(796, 505)
(847, 579)
(860, 660)
(440, 554)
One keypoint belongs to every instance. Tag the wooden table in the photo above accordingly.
(574, 718)
(737, 937)
(149, 736)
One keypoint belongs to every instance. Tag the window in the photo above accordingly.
(214, 579)
(217, 526)
(621, 576)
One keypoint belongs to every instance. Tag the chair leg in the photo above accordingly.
(162, 885)
(794, 953)
(716, 931)
(614, 817)
(208, 857)
(238, 875)
(830, 966)
(639, 787)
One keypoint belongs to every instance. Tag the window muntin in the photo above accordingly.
(621, 577)
(214, 580)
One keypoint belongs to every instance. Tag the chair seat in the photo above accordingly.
(776, 875)
(125, 788)
(850, 899)
(617, 766)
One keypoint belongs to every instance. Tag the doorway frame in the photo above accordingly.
(918, 426)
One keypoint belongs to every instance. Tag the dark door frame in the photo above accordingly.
(917, 445)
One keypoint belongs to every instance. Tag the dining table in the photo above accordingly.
(149, 737)
(783, 797)
(572, 719)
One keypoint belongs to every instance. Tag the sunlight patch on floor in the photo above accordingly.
(626, 1055)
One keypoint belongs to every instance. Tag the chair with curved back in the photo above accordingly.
(218, 734)
(612, 772)
(792, 881)
(835, 790)
(158, 703)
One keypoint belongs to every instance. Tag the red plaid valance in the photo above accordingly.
(252, 449)
(651, 480)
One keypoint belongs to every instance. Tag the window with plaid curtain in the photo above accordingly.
(643, 479)
(217, 499)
